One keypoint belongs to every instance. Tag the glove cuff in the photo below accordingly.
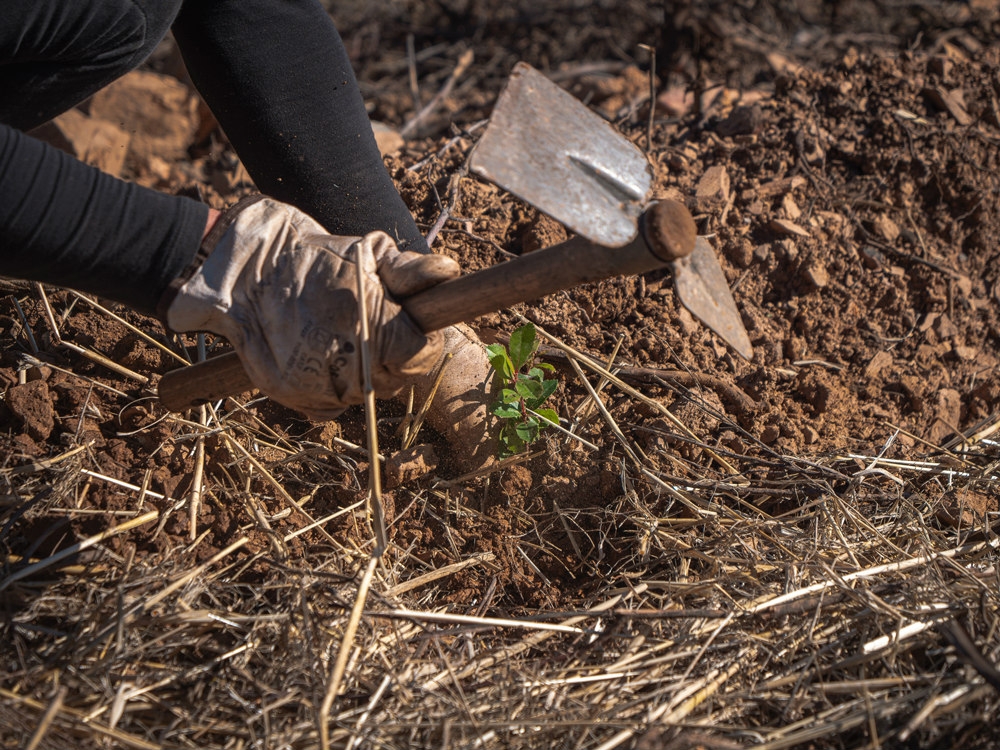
(211, 240)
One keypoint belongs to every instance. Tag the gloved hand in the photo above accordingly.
(459, 409)
(284, 293)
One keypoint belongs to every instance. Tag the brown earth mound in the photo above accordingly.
(844, 159)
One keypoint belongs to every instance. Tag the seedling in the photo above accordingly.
(523, 390)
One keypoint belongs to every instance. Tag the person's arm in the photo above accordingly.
(276, 75)
(63, 222)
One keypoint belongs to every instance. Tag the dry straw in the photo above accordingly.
(713, 598)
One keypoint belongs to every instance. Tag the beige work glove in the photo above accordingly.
(459, 409)
(284, 293)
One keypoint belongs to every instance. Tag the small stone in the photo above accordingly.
(788, 248)
(966, 353)
(871, 258)
(886, 228)
(713, 189)
(686, 322)
(676, 101)
(964, 285)
(810, 435)
(946, 328)
(42, 372)
(947, 414)
(927, 321)
(734, 444)
(816, 274)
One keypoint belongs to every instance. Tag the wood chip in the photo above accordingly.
(953, 102)
(779, 187)
(784, 226)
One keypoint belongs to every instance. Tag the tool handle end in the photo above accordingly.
(669, 230)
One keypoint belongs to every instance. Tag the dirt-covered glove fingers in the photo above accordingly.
(459, 408)
(408, 273)
(399, 349)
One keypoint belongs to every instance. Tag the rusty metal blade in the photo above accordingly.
(702, 288)
(547, 148)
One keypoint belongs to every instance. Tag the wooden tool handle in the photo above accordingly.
(569, 264)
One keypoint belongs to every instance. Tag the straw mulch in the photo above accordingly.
(721, 601)
(210, 580)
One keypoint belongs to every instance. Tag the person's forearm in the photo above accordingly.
(65, 223)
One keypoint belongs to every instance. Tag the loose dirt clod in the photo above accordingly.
(31, 404)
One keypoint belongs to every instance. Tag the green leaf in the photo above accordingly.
(510, 442)
(510, 396)
(549, 414)
(536, 373)
(529, 390)
(522, 345)
(506, 411)
(528, 431)
(546, 366)
(547, 388)
(497, 354)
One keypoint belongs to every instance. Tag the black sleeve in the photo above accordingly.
(63, 222)
(276, 75)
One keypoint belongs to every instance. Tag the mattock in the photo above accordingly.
(548, 149)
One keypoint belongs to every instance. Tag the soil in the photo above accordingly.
(855, 219)
(844, 160)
